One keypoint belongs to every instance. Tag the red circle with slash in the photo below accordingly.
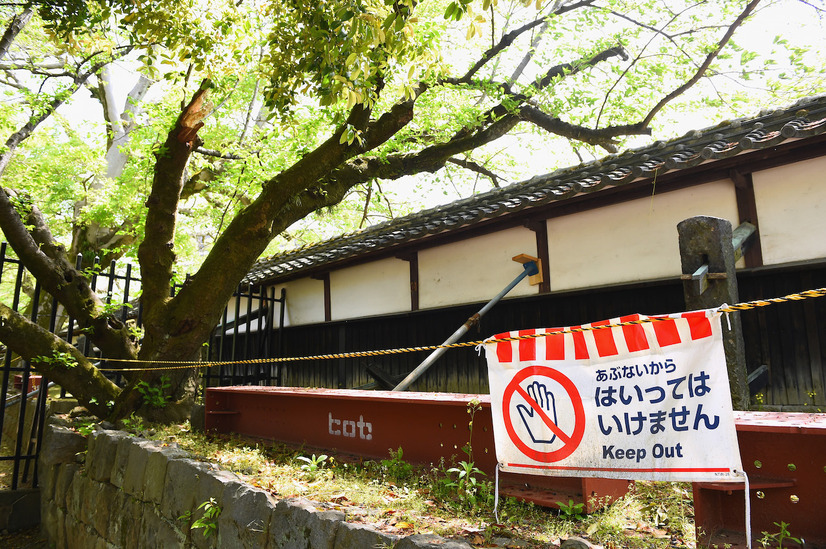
(570, 442)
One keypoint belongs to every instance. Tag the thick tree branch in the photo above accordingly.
(57, 360)
(17, 23)
(46, 259)
(155, 252)
(218, 154)
(248, 234)
(602, 136)
(520, 68)
(558, 71)
(26, 65)
(196, 308)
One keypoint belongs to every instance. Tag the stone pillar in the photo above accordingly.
(707, 241)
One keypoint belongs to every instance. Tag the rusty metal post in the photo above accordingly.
(529, 267)
(709, 280)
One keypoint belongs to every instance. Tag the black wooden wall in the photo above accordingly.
(787, 338)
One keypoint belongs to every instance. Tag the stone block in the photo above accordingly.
(155, 476)
(323, 529)
(245, 516)
(212, 485)
(103, 446)
(77, 496)
(127, 531)
(429, 541)
(63, 485)
(61, 445)
(122, 514)
(121, 461)
(357, 536)
(46, 478)
(80, 535)
(157, 532)
(182, 478)
(289, 524)
(197, 419)
(296, 524)
(52, 521)
(60, 406)
(133, 476)
(99, 506)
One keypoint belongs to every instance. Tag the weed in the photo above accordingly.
(473, 406)
(154, 396)
(85, 426)
(132, 423)
(571, 510)
(112, 309)
(463, 481)
(470, 491)
(245, 460)
(396, 468)
(314, 463)
(135, 332)
(431, 498)
(58, 358)
(209, 520)
(783, 535)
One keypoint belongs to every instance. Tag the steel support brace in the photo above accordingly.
(427, 426)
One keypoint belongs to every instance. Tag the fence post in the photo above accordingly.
(709, 280)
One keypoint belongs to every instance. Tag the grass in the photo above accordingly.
(401, 498)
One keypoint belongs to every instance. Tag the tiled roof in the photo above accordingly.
(804, 119)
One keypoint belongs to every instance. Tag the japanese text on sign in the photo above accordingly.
(650, 402)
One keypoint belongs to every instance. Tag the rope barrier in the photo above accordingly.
(182, 364)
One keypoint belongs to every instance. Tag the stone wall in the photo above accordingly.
(111, 489)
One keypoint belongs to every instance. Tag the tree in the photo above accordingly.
(353, 93)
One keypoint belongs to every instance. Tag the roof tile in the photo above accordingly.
(805, 119)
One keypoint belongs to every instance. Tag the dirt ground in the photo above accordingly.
(23, 539)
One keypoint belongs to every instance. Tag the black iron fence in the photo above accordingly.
(249, 328)
(785, 344)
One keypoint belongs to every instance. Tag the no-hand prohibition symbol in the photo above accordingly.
(571, 441)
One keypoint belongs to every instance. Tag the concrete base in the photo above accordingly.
(19, 509)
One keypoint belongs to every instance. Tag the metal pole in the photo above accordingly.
(530, 269)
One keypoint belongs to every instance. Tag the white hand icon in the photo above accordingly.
(538, 430)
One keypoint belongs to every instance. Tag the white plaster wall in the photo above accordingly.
(305, 301)
(242, 311)
(378, 287)
(631, 241)
(475, 269)
(791, 207)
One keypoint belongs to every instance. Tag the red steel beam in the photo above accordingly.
(427, 426)
(784, 456)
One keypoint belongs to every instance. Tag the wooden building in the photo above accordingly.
(606, 234)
